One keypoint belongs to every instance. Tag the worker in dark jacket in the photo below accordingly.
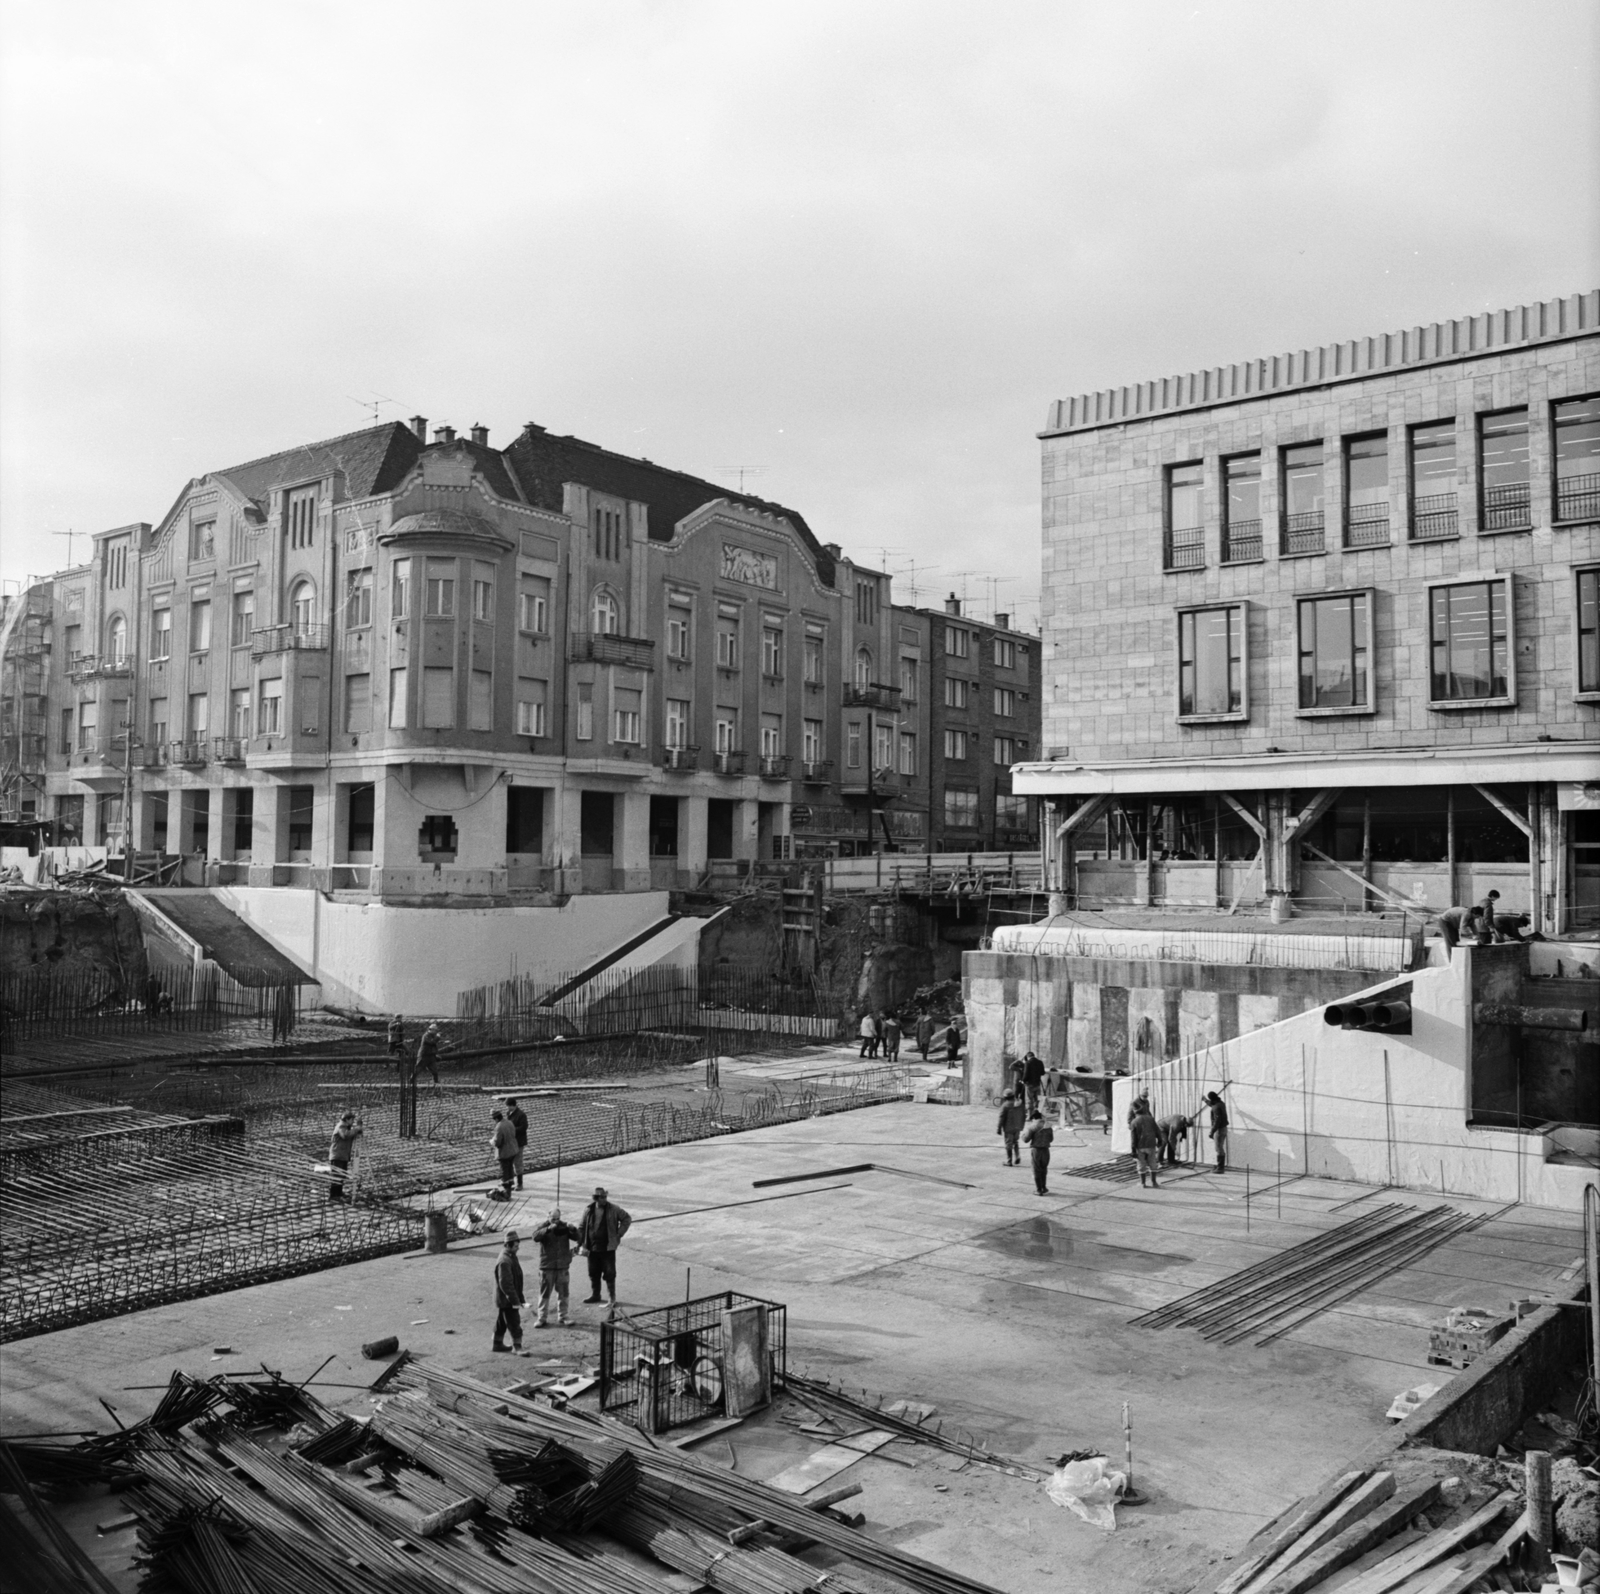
(1486, 911)
(341, 1149)
(1146, 1138)
(1456, 925)
(1219, 1129)
(554, 1239)
(1032, 1078)
(518, 1120)
(600, 1232)
(1174, 1128)
(508, 1294)
(397, 1036)
(925, 1027)
(428, 1053)
(503, 1146)
(1012, 1118)
(1037, 1137)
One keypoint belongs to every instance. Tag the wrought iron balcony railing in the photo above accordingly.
(1507, 508)
(1186, 548)
(288, 639)
(96, 666)
(1366, 526)
(817, 771)
(1303, 533)
(193, 754)
(775, 766)
(228, 750)
(680, 758)
(632, 652)
(873, 695)
(1578, 498)
(1434, 517)
(728, 763)
(1241, 542)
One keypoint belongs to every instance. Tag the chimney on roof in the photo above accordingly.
(419, 425)
(444, 434)
(534, 427)
(480, 435)
(1002, 622)
(952, 604)
(833, 550)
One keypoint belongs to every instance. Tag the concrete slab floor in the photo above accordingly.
(1007, 1310)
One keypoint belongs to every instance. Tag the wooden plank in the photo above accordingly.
(1350, 1510)
(1435, 1547)
(710, 1431)
(1341, 1582)
(1356, 1540)
(830, 1460)
(1287, 1527)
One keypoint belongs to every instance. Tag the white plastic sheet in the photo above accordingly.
(1090, 1489)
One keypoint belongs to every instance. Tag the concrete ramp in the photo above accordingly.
(200, 921)
(672, 940)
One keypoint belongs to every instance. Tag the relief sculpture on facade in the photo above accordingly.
(753, 569)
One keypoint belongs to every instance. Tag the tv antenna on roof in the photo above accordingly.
(741, 471)
(375, 404)
(69, 534)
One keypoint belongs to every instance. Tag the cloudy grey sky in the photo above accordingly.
(855, 246)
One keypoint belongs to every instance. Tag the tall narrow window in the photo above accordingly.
(679, 616)
(1366, 491)
(956, 691)
(357, 702)
(1577, 450)
(1005, 702)
(678, 722)
(957, 641)
(1589, 630)
(1433, 481)
(1469, 642)
(303, 608)
(1005, 653)
(1186, 532)
(301, 512)
(1241, 525)
(158, 722)
(908, 752)
(161, 634)
(908, 680)
(482, 591)
(239, 712)
(88, 723)
(200, 626)
(812, 741)
(813, 659)
(866, 603)
(771, 651)
(626, 708)
(955, 744)
(852, 745)
(440, 601)
(883, 747)
(480, 700)
(358, 599)
(199, 715)
(583, 728)
(531, 703)
(863, 670)
(727, 730)
(400, 590)
(1334, 650)
(1503, 471)
(1005, 751)
(438, 698)
(771, 735)
(1302, 499)
(398, 711)
(1211, 661)
(533, 604)
(727, 643)
(604, 616)
(117, 641)
(243, 619)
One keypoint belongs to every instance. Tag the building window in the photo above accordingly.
(961, 810)
(357, 702)
(813, 659)
(957, 639)
(678, 630)
(1302, 499)
(1005, 702)
(1005, 653)
(361, 817)
(357, 599)
(158, 721)
(1011, 813)
(679, 714)
(771, 735)
(605, 615)
(908, 752)
(863, 669)
(1241, 521)
(1211, 661)
(482, 591)
(607, 533)
(1577, 453)
(1468, 637)
(866, 603)
(400, 590)
(303, 608)
(1503, 471)
(200, 626)
(1005, 751)
(242, 621)
(199, 715)
(727, 730)
(908, 680)
(441, 590)
(398, 717)
(812, 741)
(117, 566)
(438, 698)
(1334, 651)
(955, 744)
(269, 716)
(1366, 491)
(437, 837)
(956, 691)
(1433, 481)
(1186, 533)
(532, 696)
(626, 705)
(583, 729)
(1589, 630)
(117, 640)
(883, 748)
(771, 651)
(161, 634)
(239, 712)
(727, 643)
(302, 516)
(64, 745)
(533, 605)
(852, 745)
(88, 723)
(480, 700)
(202, 540)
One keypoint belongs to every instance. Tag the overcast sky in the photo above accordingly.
(855, 248)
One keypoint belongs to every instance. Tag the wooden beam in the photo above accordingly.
(1244, 813)
(1506, 809)
(1314, 810)
(1377, 891)
(1084, 814)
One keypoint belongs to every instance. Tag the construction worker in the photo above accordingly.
(1037, 1137)
(869, 1034)
(503, 1144)
(1174, 1127)
(508, 1297)
(952, 1042)
(1218, 1132)
(554, 1239)
(397, 1037)
(519, 1124)
(1486, 911)
(1455, 924)
(600, 1232)
(1012, 1118)
(340, 1151)
(925, 1028)
(891, 1037)
(428, 1053)
(1146, 1139)
(1032, 1078)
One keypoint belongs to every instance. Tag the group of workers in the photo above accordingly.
(881, 1034)
(1481, 923)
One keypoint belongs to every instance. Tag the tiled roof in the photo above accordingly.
(371, 461)
(543, 463)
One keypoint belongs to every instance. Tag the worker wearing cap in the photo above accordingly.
(340, 1150)
(554, 1239)
(1218, 1132)
(508, 1294)
(600, 1232)
(428, 1053)
(1012, 1118)
(518, 1120)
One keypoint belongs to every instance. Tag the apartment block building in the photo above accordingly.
(417, 668)
(1325, 626)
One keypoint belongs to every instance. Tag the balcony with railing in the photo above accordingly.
(1303, 533)
(1434, 518)
(773, 766)
(228, 750)
(99, 667)
(681, 760)
(1242, 542)
(153, 755)
(874, 695)
(817, 771)
(192, 754)
(1186, 548)
(269, 639)
(1507, 508)
(731, 763)
(1578, 498)
(631, 652)
(1366, 526)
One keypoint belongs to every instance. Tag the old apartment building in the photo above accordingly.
(1325, 626)
(412, 668)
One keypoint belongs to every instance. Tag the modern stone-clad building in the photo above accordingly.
(1326, 626)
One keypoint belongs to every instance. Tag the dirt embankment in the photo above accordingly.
(70, 933)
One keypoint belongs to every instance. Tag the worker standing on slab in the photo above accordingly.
(891, 1037)
(397, 1038)
(503, 1144)
(952, 1043)
(1146, 1138)
(428, 1053)
(1037, 1136)
(1012, 1118)
(1032, 1078)
(508, 1296)
(554, 1239)
(340, 1150)
(600, 1232)
(925, 1027)
(519, 1125)
(1219, 1128)
(869, 1034)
